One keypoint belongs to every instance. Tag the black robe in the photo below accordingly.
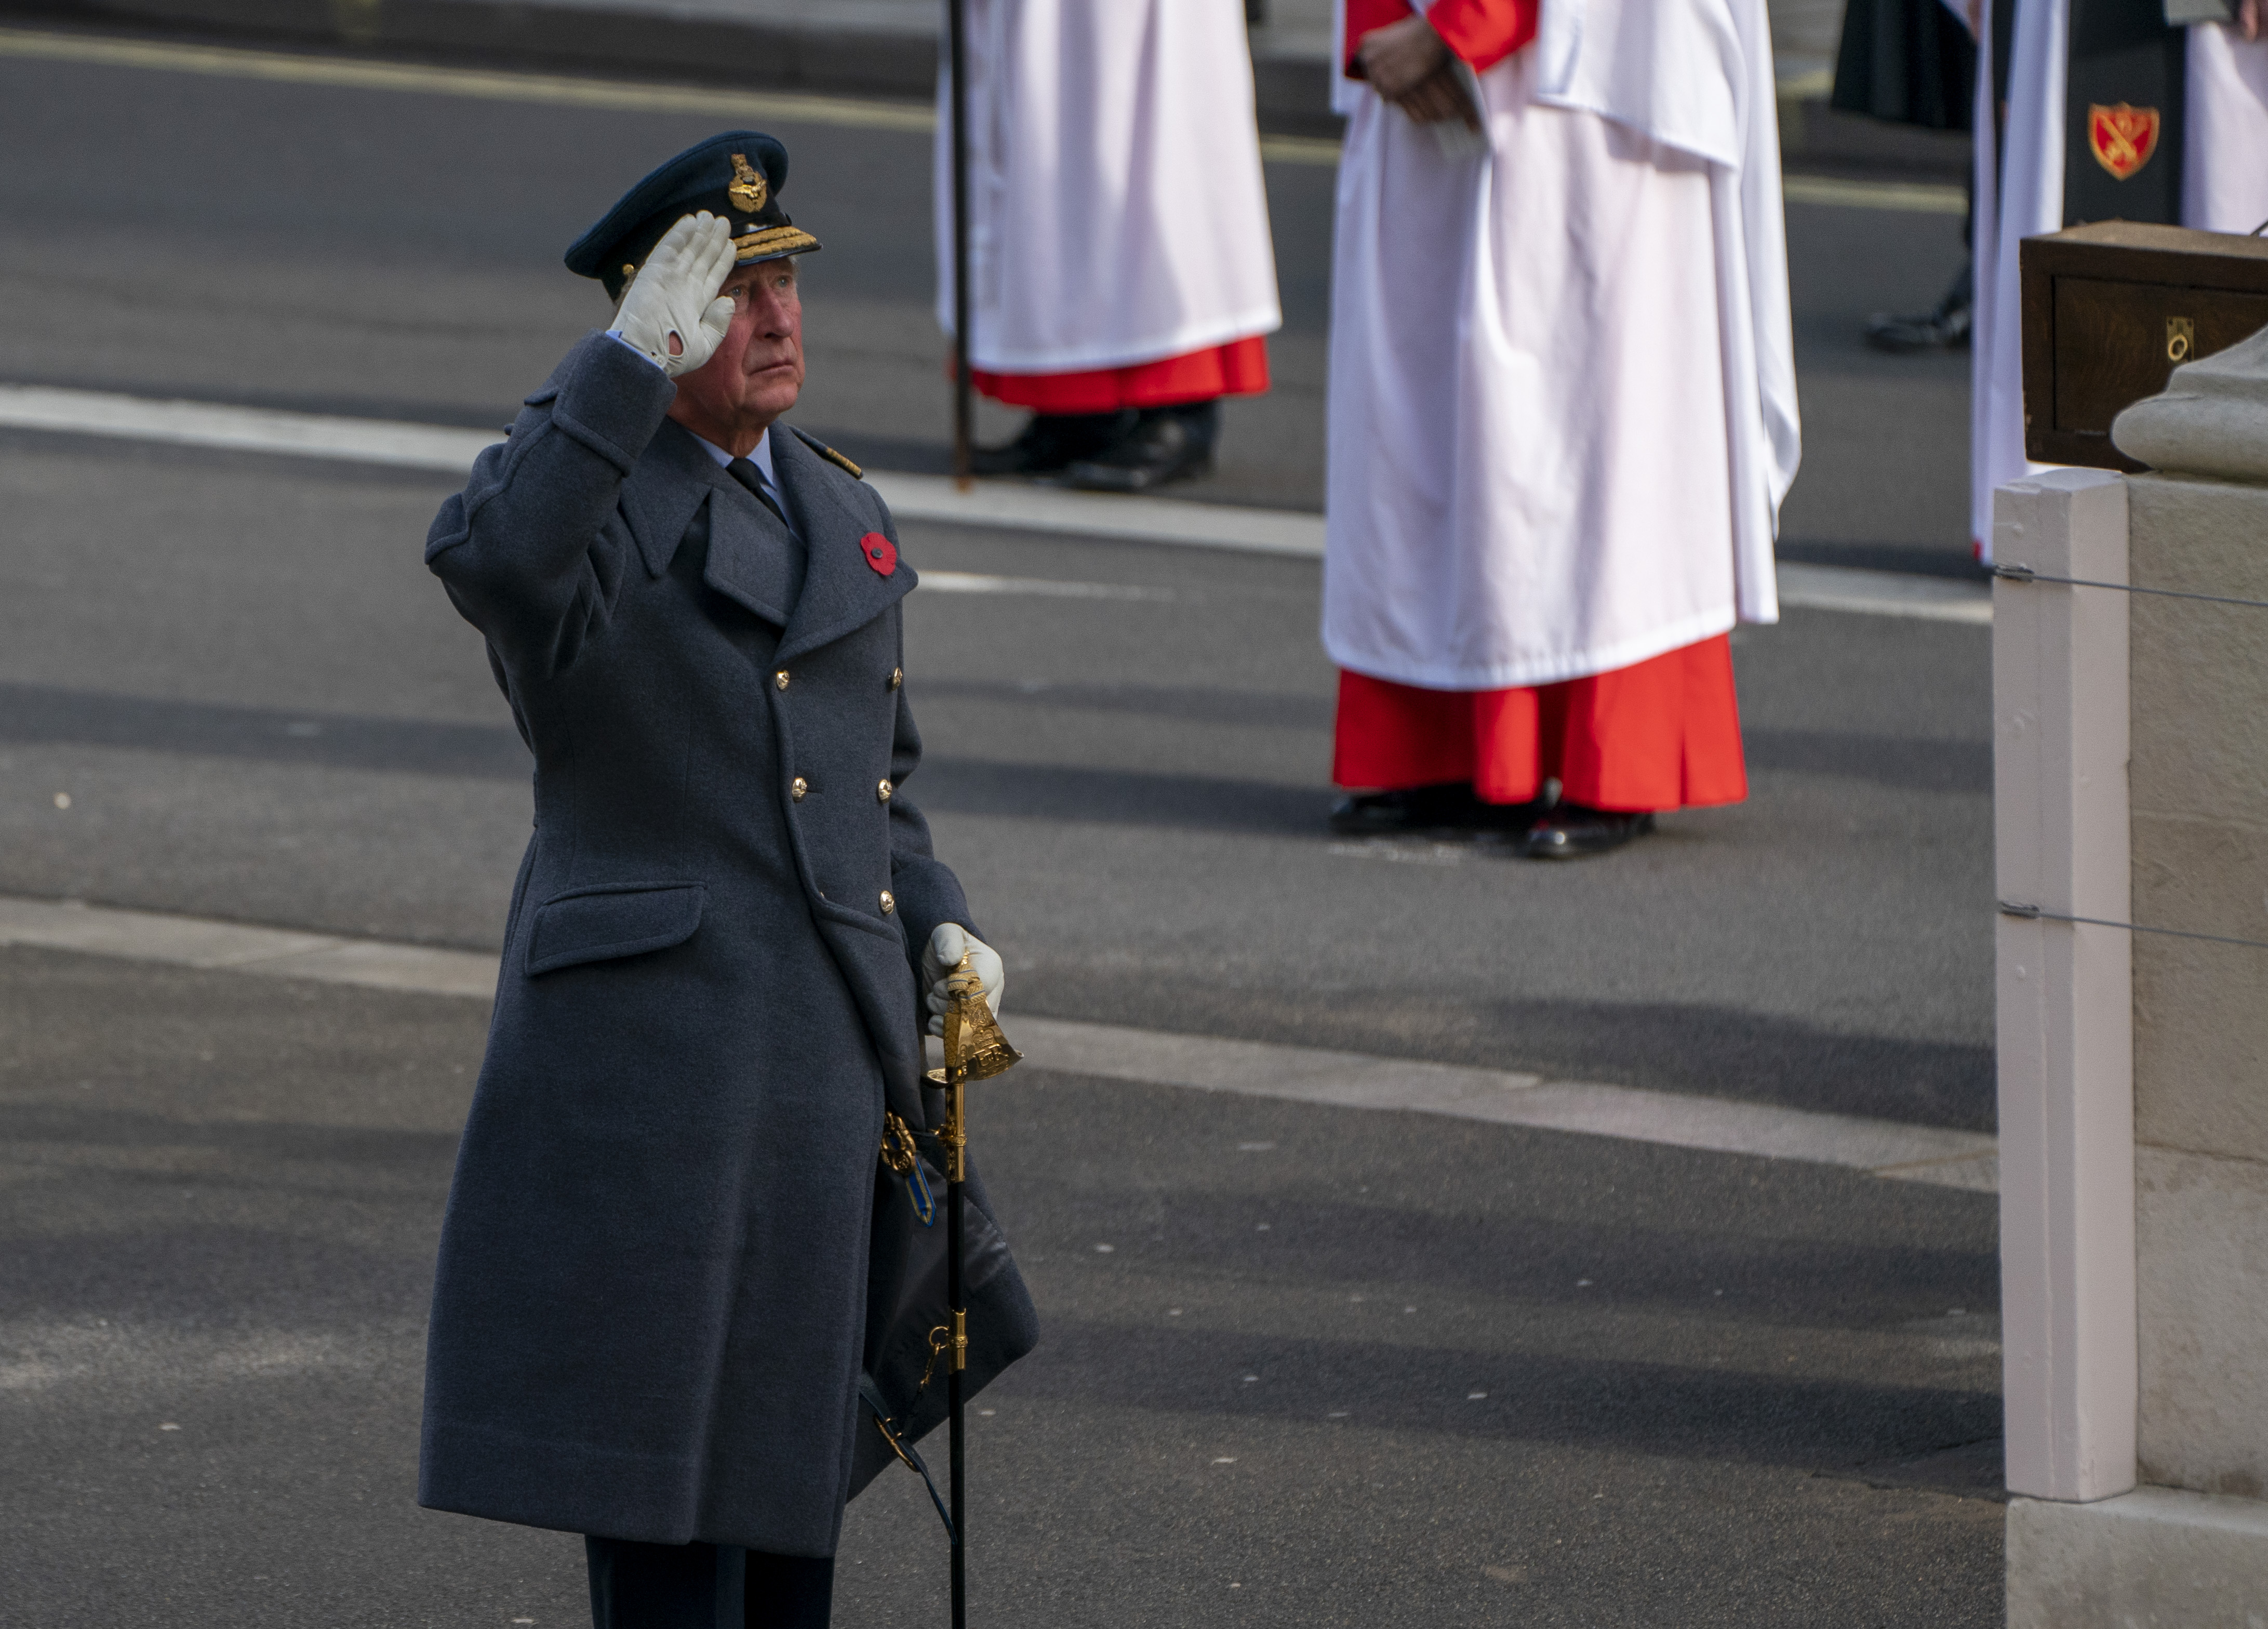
(1909, 62)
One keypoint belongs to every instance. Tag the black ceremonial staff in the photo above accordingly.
(974, 1049)
(957, 29)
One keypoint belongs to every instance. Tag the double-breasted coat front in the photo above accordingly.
(651, 1295)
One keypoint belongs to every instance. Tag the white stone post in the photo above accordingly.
(2060, 751)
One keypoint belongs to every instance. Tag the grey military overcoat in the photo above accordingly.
(651, 1295)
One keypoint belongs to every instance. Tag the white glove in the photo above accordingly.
(673, 295)
(942, 954)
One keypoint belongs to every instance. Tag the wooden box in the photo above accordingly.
(2109, 309)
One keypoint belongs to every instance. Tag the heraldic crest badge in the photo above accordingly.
(2122, 137)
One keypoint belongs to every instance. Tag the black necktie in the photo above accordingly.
(746, 471)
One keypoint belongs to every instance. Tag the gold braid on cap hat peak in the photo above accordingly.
(772, 240)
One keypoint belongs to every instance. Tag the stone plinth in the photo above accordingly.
(2153, 1558)
(2189, 1545)
(2199, 779)
(2201, 1271)
(2199, 787)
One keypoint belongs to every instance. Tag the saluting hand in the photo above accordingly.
(942, 954)
(670, 310)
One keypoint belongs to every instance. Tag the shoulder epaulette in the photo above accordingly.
(830, 455)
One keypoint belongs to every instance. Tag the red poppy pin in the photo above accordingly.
(880, 552)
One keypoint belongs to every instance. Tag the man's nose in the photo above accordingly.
(774, 318)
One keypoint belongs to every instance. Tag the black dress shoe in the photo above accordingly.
(1051, 442)
(1446, 807)
(1945, 329)
(1571, 831)
(1165, 444)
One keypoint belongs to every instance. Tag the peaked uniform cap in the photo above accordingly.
(737, 177)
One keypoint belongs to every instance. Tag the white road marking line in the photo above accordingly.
(1006, 506)
(238, 947)
(1909, 197)
(759, 106)
(557, 90)
(446, 450)
(1299, 149)
(1884, 594)
(241, 428)
(1090, 514)
(1352, 1080)
(1888, 1148)
(976, 582)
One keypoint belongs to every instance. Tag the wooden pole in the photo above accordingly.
(963, 408)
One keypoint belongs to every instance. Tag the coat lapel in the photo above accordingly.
(669, 485)
(841, 591)
(750, 556)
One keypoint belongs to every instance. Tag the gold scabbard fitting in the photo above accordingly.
(952, 1136)
(899, 1152)
(959, 1340)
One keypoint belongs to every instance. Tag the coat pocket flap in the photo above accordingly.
(624, 919)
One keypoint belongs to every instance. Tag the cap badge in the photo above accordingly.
(750, 188)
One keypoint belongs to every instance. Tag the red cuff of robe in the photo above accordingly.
(1362, 16)
(1484, 33)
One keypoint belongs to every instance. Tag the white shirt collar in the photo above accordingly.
(761, 457)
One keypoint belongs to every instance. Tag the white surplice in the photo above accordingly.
(1117, 214)
(1562, 404)
(2223, 188)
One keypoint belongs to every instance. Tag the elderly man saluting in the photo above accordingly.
(651, 1293)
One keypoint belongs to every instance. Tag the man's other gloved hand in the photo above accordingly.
(670, 310)
(943, 954)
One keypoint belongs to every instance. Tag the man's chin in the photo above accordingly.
(773, 397)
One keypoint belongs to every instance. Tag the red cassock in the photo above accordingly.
(1660, 734)
(1239, 368)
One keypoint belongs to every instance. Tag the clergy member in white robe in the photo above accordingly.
(2224, 159)
(1121, 271)
(1562, 411)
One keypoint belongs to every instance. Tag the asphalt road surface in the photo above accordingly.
(1712, 1389)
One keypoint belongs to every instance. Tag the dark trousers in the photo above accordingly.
(639, 1586)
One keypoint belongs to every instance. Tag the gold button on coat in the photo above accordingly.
(889, 902)
(883, 792)
(897, 677)
(779, 679)
(797, 788)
